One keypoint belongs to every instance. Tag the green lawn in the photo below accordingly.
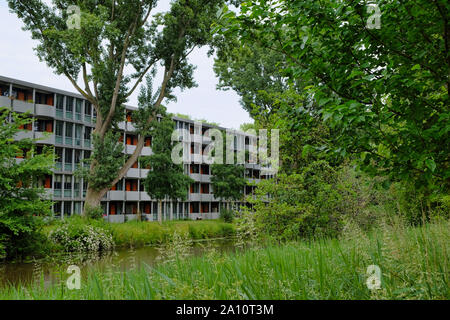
(413, 262)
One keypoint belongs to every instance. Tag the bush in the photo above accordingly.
(94, 213)
(77, 237)
(227, 215)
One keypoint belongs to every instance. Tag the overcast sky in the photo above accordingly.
(204, 102)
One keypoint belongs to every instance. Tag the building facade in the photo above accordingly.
(66, 120)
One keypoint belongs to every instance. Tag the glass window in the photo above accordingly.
(58, 181)
(69, 104)
(77, 156)
(87, 108)
(87, 133)
(78, 105)
(68, 158)
(59, 128)
(59, 154)
(59, 101)
(69, 129)
(68, 182)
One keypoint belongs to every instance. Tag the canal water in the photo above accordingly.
(54, 271)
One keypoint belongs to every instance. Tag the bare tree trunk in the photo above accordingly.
(160, 211)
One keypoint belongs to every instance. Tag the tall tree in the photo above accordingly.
(114, 36)
(165, 178)
(21, 198)
(228, 181)
(381, 81)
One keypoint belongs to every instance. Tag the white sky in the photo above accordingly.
(203, 102)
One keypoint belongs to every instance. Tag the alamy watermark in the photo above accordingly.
(74, 280)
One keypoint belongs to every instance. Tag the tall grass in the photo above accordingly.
(138, 234)
(413, 261)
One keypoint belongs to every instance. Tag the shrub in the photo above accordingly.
(82, 237)
(94, 213)
(227, 215)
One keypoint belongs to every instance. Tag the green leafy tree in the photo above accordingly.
(165, 178)
(384, 90)
(115, 36)
(21, 199)
(228, 181)
(274, 101)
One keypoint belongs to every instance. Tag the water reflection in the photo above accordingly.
(54, 270)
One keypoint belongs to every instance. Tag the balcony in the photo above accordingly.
(196, 138)
(146, 151)
(45, 110)
(87, 143)
(206, 197)
(145, 196)
(23, 106)
(195, 197)
(59, 113)
(196, 176)
(87, 119)
(197, 158)
(25, 134)
(130, 127)
(116, 195)
(144, 172)
(121, 125)
(206, 178)
(5, 102)
(132, 195)
(133, 173)
(129, 149)
(68, 141)
(45, 137)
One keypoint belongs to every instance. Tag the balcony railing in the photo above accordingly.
(69, 115)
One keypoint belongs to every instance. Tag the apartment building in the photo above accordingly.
(66, 120)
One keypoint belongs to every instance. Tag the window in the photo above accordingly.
(78, 130)
(87, 133)
(67, 182)
(58, 182)
(194, 168)
(68, 160)
(87, 108)
(57, 208)
(78, 105)
(67, 209)
(195, 188)
(69, 104)
(59, 128)
(76, 187)
(59, 155)
(77, 157)
(59, 102)
(69, 129)
(205, 188)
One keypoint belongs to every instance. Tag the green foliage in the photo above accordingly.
(108, 158)
(228, 181)
(93, 213)
(227, 215)
(299, 205)
(21, 204)
(78, 237)
(387, 100)
(137, 234)
(165, 179)
(309, 270)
